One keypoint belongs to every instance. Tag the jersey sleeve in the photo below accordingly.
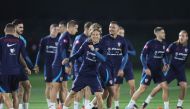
(125, 55)
(144, 54)
(169, 51)
(25, 56)
(131, 49)
(40, 51)
(79, 53)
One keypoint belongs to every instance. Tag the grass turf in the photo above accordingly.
(38, 100)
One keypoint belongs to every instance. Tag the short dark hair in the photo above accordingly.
(9, 28)
(157, 29)
(87, 25)
(72, 23)
(114, 22)
(17, 21)
(53, 25)
(63, 22)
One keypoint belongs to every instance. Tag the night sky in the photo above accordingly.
(96, 9)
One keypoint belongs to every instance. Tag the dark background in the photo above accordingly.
(139, 17)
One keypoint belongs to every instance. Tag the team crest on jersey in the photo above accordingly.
(56, 43)
(65, 41)
(119, 44)
(186, 50)
(12, 51)
(164, 47)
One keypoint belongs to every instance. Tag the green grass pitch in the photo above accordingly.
(38, 100)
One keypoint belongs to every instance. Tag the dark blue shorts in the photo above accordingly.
(177, 73)
(48, 73)
(156, 74)
(82, 81)
(128, 73)
(9, 83)
(23, 76)
(57, 73)
(106, 76)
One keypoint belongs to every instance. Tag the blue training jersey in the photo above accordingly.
(47, 48)
(154, 54)
(10, 49)
(79, 40)
(91, 59)
(115, 50)
(179, 54)
(62, 49)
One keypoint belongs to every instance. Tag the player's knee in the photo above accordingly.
(165, 87)
(72, 94)
(183, 86)
(141, 89)
(99, 96)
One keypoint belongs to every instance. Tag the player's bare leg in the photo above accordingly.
(15, 100)
(1, 101)
(117, 94)
(183, 90)
(24, 94)
(7, 100)
(69, 99)
(132, 86)
(150, 96)
(77, 98)
(47, 92)
(53, 94)
(136, 95)
(87, 93)
(99, 100)
(110, 96)
(165, 94)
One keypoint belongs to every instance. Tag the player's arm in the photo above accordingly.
(125, 55)
(143, 58)
(23, 63)
(24, 59)
(76, 46)
(40, 51)
(98, 55)
(75, 56)
(131, 50)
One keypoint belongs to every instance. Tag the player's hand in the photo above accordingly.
(120, 73)
(68, 70)
(165, 68)
(91, 47)
(36, 69)
(27, 70)
(147, 71)
(65, 61)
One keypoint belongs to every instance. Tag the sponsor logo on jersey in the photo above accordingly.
(10, 45)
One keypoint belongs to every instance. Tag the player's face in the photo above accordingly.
(54, 31)
(121, 32)
(161, 34)
(62, 28)
(183, 37)
(74, 29)
(113, 29)
(20, 29)
(95, 36)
